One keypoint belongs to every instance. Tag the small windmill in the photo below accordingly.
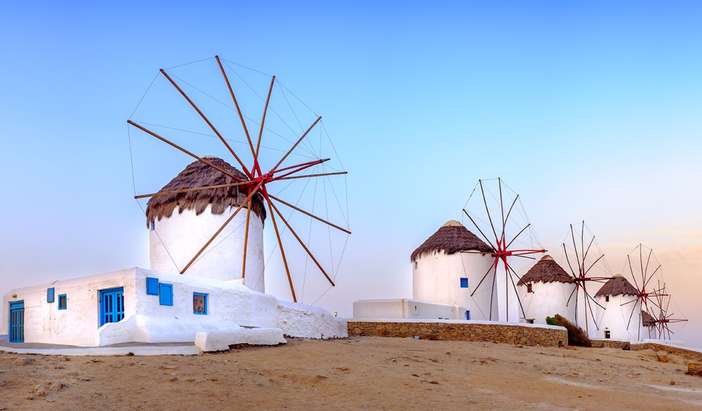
(581, 273)
(253, 182)
(663, 318)
(503, 237)
(646, 298)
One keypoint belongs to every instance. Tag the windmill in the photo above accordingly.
(255, 181)
(495, 213)
(646, 298)
(582, 272)
(663, 318)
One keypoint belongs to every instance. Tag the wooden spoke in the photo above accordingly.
(296, 144)
(502, 211)
(207, 121)
(577, 257)
(631, 270)
(260, 129)
(236, 104)
(587, 250)
(299, 167)
(479, 230)
(186, 190)
(565, 251)
(221, 228)
(307, 213)
(302, 243)
(571, 294)
(487, 210)
(514, 286)
(593, 264)
(183, 150)
(492, 289)
(518, 234)
(280, 245)
(246, 239)
(494, 262)
(632, 314)
(335, 173)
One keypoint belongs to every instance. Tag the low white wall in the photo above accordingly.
(405, 309)
(230, 305)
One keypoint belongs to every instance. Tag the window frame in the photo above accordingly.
(165, 299)
(63, 306)
(206, 298)
(51, 295)
(152, 286)
(463, 280)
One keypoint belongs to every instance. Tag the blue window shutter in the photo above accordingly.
(165, 294)
(50, 293)
(62, 302)
(464, 282)
(151, 286)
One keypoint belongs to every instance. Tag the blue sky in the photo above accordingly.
(589, 111)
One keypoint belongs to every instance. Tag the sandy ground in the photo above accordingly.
(358, 373)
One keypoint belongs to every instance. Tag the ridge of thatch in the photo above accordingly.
(647, 319)
(199, 174)
(451, 238)
(546, 270)
(617, 285)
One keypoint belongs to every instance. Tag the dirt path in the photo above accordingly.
(359, 373)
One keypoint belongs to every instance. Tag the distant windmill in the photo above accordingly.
(499, 211)
(581, 264)
(646, 298)
(664, 317)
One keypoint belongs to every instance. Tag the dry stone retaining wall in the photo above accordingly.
(497, 333)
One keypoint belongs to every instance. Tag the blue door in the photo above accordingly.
(17, 321)
(111, 305)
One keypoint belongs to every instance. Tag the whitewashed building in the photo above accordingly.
(545, 290)
(446, 268)
(160, 304)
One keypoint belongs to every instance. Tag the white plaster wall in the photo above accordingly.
(436, 280)
(179, 237)
(78, 324)
(548, 299)
(230, 305)
(615, 318)
(405, 309)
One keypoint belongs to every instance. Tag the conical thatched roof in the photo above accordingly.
(647, 319)
(199, 174)
(546, 270)
(618, 285)
(451, 238)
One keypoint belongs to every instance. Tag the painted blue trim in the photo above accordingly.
(206, 298)
(151, 286)
(16, 323)
(464, 282)
(467, 314)
(111, 307)
(62, 302)
(50, 294)
(165, 294)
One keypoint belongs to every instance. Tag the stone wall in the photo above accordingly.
(463, 331)
(682, 352)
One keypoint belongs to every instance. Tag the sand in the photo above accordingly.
(357, 373)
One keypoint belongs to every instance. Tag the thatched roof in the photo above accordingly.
(546, 270)
(451, 238)
(647, 319)
(618, 285)
(199, 174)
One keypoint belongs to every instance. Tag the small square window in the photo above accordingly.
(50, 293)
(606, 298)
(464, 282)
(151, 286)
(62, 302)
(165, 294)
(530, 288)
(200, 303)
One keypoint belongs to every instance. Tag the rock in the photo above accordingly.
(694, 368)
(24, 361)
(662, 357)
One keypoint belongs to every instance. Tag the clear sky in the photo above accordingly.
(589, 111)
